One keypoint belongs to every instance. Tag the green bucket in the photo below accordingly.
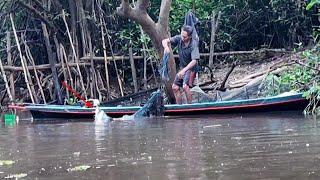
(9, 119)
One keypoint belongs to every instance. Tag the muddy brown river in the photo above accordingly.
(241, 146)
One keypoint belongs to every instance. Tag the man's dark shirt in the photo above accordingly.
(186, 54)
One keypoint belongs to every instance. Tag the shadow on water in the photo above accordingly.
(239, 146)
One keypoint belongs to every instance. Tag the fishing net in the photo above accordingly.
(164, 71)
(153, 107)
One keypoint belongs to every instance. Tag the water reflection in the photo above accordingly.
(244, 146)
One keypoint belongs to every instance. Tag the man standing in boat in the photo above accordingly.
(188, 58)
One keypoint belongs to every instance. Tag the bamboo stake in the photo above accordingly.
(97, 87)
(5, 80)
(67, 64)
(115, 64)
(30, 82)
(30, 57)
(145, 47)
(52, 63)
(145, 85)
(105, 57)
(74, 53)
(64, 69)
(133, 70)
(21, 57)
(83, 25)
(28, 71)
(214, 27)
(9, 59)
(60, 59)
(93, 81)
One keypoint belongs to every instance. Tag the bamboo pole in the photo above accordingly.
(133, 71)
(93, 81)
(60, 59)
(114, 62)
(30, 57)
(74, 54)
(64, 68)
(214, 27)
(145, 81)
(9, 59)
(105, 57)
(33, 91)
(83, 26)
(67, 64)
(5, 80)
(21, 57)
(204, 55)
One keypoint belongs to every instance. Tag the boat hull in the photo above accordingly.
(281, 103)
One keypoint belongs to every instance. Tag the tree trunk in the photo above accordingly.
(157, 31)
(52, 64)
(9, 59)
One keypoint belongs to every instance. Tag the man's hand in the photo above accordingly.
(165, 43)
(166, 50)
(181, 74)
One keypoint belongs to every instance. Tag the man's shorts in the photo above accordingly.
(187, 79)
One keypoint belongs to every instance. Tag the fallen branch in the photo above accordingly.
(229, 53)
(307, 66)
(40, 67)
(222, 87)
(247, 80)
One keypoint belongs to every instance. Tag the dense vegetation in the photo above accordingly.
(244, 25)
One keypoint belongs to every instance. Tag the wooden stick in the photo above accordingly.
(222, 87)
(52, 63)
(105, 56)
(214, 27)
(42, 66)
(31, 82)
(229, 53)
(21, 57)
(133, 71)
(29, 55)
(74, 54)
(114, 62)
(60, 59)
(9, 59)
(28, 72)
(145, 83)
(83, 26)
(93, 71)
(5, 80)
(67, 64)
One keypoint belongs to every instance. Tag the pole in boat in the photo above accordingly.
(69, 88)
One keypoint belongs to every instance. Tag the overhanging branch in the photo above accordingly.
(37, 14)
(164, 13)
(143, 5)
(124, 9)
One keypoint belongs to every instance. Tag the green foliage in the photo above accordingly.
(304, 77)
(312, 3)
(275, 85)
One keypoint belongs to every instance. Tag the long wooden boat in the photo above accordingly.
(275, 103)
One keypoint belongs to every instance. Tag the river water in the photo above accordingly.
(241, 146)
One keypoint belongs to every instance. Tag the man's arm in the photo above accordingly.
(165, 44)
(183, 71)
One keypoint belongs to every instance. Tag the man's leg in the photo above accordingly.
(186, 87)
(177, 83)
(177, 93)
(193, 75)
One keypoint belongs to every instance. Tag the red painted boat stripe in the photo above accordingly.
(230, 107)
